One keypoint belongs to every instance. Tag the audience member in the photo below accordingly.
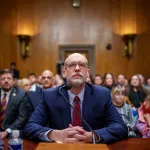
(15, 107)
(98, 80)
(108, 81)
(125, 110)
(25, 84)
(121, 81)
(14, 70)
(136, 92)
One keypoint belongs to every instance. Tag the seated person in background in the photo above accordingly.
(33, 80)
(98, 80)
(143, 124)
(47, 81)
(25, 84)
(15, 107)
(136, 93)
(14, 70)
(108, 81)
(92, 102)
(121, 81)
(124, 109)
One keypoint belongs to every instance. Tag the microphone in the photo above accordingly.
(68, 87)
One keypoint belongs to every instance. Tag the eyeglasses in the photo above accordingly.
(72, 66)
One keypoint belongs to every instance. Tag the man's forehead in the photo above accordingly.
(6, 74)
(47, 74)
(76, 58)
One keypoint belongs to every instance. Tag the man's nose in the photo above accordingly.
(77, 67)
(6, 80)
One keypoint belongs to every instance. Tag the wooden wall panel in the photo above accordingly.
(7, 27)
(52, 23)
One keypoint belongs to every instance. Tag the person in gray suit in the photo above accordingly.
(15, 107)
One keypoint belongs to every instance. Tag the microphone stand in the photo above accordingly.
(68, 88)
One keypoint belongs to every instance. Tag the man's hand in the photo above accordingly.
(65, 135)
(71, 135)
(3, 134)
(82, 135)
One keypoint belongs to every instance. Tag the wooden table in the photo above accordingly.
(131, 144)
(128, 144)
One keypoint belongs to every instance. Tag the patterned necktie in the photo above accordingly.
(3, 109)
(76, 120)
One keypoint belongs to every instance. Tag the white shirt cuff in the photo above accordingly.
(44, 136)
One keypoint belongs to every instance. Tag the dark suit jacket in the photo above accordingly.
(17, 110)
(97, 110)
(15, 73)
(35, 97)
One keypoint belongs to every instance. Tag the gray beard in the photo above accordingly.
(77, 84)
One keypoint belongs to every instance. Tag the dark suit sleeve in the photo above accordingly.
(37, 123)
(114, 129)
(24, 111)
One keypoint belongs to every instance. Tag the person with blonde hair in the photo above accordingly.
(124, 109)
(25, 84)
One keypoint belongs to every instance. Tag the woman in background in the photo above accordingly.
(25, 84)
(137, 94)
(108, 81)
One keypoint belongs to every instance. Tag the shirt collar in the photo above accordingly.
(8, 93)
(72, 96)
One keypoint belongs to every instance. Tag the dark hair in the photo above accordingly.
(122, 75)
(97, 75)
(140, 86)
(4, 71)
(13, 63)
(32, 74)
(147, 79)
(104, 79)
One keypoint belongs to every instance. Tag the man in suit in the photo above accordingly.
(33, 81)
(15, 108)
(47, 81)
(93, 103)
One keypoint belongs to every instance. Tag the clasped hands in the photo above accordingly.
(73, 134)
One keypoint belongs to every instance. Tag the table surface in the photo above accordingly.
(127, 144)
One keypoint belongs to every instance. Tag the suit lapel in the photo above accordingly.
(87, 106)
(12, 97)
(64, 108)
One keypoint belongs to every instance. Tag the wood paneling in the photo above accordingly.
(54, 23)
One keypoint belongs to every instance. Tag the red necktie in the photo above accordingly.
(3, 109)
(76, 120)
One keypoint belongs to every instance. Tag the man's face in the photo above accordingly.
(47, 80)
(32, 79)
(6, 81)
(121, 79)
(75, 70)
